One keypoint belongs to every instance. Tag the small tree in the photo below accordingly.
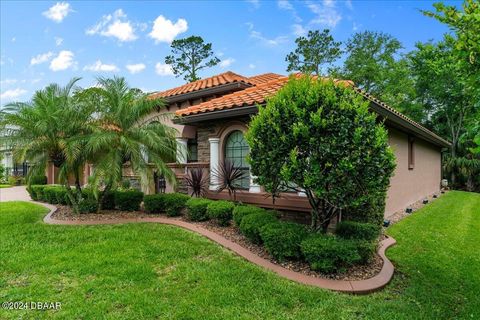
(317, 137)
(189, 56)
(312, 52)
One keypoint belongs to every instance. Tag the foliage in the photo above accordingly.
(40, 179)
(366, 250)
(197, 209)
(108, 200)
(328, 254)
(189, 56)
(50, 194)
(37, 192)
(154, 203)
(313, 52)
(327, 145)
(357, 230)
(221, 211)
(175, 203)
(197, 182)
(243, 210)
(228, 177)
(252, 224)
(62, 196)
(283, 239)
(88, 206)
(128, 200)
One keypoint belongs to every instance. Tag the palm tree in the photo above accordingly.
(42, 131)
(121, 139)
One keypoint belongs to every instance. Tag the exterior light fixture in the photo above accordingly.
(386, 223)
(409, 210)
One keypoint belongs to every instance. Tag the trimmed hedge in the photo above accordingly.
(357, 230)
(50, 194)
(221, 211)
(37, 180)
(128, 200)
(197, 209)
(37, 192)
(253, 223)
(88, 206)
(62, 197)
(366, 250)
(328, 254)
(108, 201)
(283, 239)
(244, 210)
(154, 203)
(171, 203)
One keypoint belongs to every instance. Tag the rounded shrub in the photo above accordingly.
(37, 190)
(197, 209)
(49, 194)
(87, 206)
(62, 197)
(128, 200)
(329, 254)
(283, 239)
(366, 250)
(357, 230)
(108, 200)
(32, 192)
(37, 180)
(252, 224)
(154, 203)
(175, 203)
(241, 211)
(221, 211)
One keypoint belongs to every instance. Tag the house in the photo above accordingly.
(212, 115)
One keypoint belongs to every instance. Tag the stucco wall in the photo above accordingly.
(408, 186)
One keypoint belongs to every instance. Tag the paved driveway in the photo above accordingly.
(14, 194)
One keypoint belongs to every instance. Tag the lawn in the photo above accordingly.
(141, 271)
(5, 186)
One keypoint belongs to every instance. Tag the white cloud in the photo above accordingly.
(135, 68)
(326, 13)
(254, 3)
(14, 39)
(286, 5)
(266, 41)
(226, 63)
(98, 66)
(165, 30)
(8, 81)
(299, 30)
(163, 69)
(349, 4)
(252, 66)
(12, 94)
(58, 41)
(114, 25)
(63, 61)
(58, 12)
(41, 58)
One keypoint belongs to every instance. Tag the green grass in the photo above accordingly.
(5, 186)
(144, 271)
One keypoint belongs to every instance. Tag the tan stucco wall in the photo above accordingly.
(408, 186)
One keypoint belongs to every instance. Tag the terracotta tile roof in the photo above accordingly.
(217, 80)
(265, 77)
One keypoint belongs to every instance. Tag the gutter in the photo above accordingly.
(214, 115)
(235, 86)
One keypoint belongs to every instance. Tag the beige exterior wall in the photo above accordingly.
(410, 185)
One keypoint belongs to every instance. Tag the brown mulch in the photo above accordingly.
(232, 233)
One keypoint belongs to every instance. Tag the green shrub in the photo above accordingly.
(283, 239)
(154, 203)
(37, 180)
(128, 200)
(49, 194)
(253, 223)
(88, 206)
(357, 230)
(329, 254)
(175, 203)
(221, 211)
(108, 200)
(37, 190)
(31, 193)
(61, 195)
(87, 193)
(197, 209)
(366, 250)
(241, 211)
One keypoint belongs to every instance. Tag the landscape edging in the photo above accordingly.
(373, 284)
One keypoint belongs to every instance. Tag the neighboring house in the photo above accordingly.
(12, 168)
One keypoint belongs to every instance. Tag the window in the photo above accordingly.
(192, 146)
(411, 153)
(236, 150)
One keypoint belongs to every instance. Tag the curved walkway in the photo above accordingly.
(355, 286)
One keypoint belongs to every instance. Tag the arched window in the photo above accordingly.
(236, 150)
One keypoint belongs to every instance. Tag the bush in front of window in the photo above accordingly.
(252, 224)
(128, 200)
(283, 239)
(357, 230)
(244, 210)
(197, 209)
(221, 211)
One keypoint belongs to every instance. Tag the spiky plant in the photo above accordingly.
(228, 177)
(197, 182)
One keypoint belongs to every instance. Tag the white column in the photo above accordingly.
(254, 187)
(182, 148)
(214, 161)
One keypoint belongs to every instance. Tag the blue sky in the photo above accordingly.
(44, 42)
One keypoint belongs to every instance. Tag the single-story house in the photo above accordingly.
(211, 116)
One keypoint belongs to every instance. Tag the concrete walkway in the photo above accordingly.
(14, 194)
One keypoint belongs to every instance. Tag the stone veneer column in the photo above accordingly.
(214, 161)
(254, 187)
(182, 148)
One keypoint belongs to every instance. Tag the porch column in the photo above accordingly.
(182, 148)
(254, 187)
(214, 161)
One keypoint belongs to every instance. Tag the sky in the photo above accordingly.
(45, 42)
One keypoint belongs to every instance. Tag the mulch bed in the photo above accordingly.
(232, 233)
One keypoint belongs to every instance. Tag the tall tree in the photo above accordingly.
(189, 56)
(313, 52)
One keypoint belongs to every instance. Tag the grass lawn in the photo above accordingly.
(141, 271)
(5, 186)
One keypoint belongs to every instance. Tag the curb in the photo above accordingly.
(373, 284)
